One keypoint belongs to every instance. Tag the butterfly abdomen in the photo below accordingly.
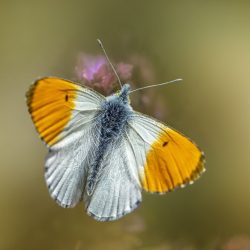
(113, 119)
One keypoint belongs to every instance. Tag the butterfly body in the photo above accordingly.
(113, 117)
(103, 152)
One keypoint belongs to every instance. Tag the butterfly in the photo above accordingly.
(103, 152)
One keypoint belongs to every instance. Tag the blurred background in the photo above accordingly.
(207, 43)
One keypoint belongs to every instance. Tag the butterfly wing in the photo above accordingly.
(165, 159)
(149, 156)
(118, 190)
(64, 115)
(56, 105)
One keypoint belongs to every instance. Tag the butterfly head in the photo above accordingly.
(123, 94)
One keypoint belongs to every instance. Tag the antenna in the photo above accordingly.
(155, 85)
(112, 67)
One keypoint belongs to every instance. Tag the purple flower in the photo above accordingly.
(95, 72)
(90, 67)
(124, 71)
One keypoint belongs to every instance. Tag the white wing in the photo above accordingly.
(65, 114)
(66, 167)
(118, 191)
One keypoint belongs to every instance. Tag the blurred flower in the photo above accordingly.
(95, 72)
(124, 71)
(89, 66)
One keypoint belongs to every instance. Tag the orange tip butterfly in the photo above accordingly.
(103, 152)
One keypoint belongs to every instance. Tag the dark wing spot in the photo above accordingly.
(165, 143)
(66, 97)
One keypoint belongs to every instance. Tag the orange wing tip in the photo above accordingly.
(172, 162)
(29, 95)
(50, 102)
(198, 171)
(195, 175)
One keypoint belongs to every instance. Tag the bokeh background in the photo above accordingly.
(207, 43)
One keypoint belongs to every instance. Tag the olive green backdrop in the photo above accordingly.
(207, 43)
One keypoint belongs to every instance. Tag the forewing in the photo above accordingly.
(56, 105)
(65, 116)
(118, 191)
(165, 158)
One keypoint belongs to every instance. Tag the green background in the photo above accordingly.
(207, 43)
